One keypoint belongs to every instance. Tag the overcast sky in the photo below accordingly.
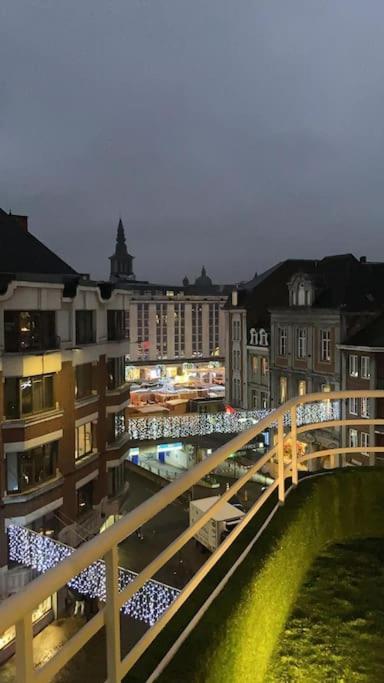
(230, 133)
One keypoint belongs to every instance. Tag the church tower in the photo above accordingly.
(121, 261)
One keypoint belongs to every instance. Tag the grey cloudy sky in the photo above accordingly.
(232, 133)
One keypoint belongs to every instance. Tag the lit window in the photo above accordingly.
(353, 441)
(84, 440)
(264, 366)
(325, 346)
(353, 365)
(365, 367)
(302, 388)
(254, 364)
(364, 407)
(283, 389)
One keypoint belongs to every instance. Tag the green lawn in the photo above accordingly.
(336, 631)
(235, 639)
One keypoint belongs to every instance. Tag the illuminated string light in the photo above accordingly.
(42, 553)
(179, 426)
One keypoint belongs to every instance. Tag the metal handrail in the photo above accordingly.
(18, 609)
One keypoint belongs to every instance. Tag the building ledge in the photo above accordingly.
(88, 400)
(86, 459)
(18, 423)
(12, 498)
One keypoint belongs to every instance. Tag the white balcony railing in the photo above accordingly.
(288, 423)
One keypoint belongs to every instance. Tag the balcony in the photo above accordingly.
(260, 596)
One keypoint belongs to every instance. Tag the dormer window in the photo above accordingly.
(301, 292)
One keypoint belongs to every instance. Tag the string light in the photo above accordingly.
(179, 426)
(42, 553)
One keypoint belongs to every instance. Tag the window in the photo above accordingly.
(143, 330)
(254, 399)
(116, 479)
(236, 391)
(364, 441)
(365, 367)
(84, 440)
(29, 331)
(236, 330)
(301, 336)
(254, 364)
(85, 327)
(119, 424)
(116, 372)
(236, 359)
(283, 389)
(353, 441)
(161, 330)
(353, 406)
(353, 365)
(117, 325)
(197, 329)
(179, 330)
(85, 498)
(264, 366)
(325, 346)
(282, 338)
(264, 401)
(364, 407)
(28, 395)
(213, 328)
(302, 387)
(83, 381)
(28, 469)
(263, 337)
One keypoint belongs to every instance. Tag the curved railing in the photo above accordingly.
(287, 422)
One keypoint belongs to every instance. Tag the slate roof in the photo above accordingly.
(341, 282)
(21, 252)
(372, 335)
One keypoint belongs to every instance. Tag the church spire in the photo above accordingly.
(121, 261)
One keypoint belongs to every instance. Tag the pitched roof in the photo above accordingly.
(21, 252)
(372, 335)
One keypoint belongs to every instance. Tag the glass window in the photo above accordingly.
(353, 406)
(325, 345)
(84, 440)
(264, 366)
(29, 330)
(85, 498)
(85, 327)
(353, 440)
(117, 325)
(28, 395)
(302, 387)
(83, 381)
(30, 468)
(283, 389)
(254, 364)
(353, 365)
(365, 367)
(301, 336)
(282, 337)
(116, 372)
(364, 407)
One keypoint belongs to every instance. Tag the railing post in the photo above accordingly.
(112, 616)
(280, 457)
(24, 650)
(294, 446)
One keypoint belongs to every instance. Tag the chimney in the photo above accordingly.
(22, 220)
(363, 259)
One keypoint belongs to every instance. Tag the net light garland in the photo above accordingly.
(42, 553)
(179, 426)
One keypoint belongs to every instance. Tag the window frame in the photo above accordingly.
(365, 362)
(325, 345)
(353, 361)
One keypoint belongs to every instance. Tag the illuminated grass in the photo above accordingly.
(235, 639)
(336, 631)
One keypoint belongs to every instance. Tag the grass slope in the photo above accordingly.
(236, 637)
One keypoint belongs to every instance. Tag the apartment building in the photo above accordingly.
(362, 359)
(329, 301)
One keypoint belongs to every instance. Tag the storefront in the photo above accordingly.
(41, 617)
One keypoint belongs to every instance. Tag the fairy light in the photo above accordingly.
(179, 426)
(42, 553)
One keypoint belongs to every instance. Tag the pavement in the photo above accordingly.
(88, 666)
